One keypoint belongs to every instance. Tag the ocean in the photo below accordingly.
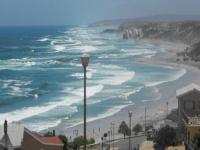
(41, 77)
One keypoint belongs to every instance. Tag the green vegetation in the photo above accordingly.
(79, 141)
(173, 116)
(124, 129)
(65, 141)
(166, 136)
(196, 142)
(76, 143)
(137, 128)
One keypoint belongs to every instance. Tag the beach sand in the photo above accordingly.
(156, 110)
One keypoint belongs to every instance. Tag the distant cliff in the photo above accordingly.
(186, 32)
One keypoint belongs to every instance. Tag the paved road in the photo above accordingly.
(124, 143)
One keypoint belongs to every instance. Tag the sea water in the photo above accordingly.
(41, 77)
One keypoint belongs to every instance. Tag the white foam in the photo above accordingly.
(113, 75)
(59, 48)
(138, 52)
(125, 95)
(106, 114)
(16, 87)
(27, 112)
(81, 75)
(43, 39)
(91, 91)
(172, 78)
(42, 125)
(86, 48)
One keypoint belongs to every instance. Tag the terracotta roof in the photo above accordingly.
(51, 140)
(187, 89)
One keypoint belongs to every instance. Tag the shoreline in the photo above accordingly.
(97, 127)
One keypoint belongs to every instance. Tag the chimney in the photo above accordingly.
(5, 127)
(54, 133)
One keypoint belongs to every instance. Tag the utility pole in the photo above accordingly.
(145, 119)
(109, 139)
(85, 61)
(130, 115)
(167, 103)
(113, 134)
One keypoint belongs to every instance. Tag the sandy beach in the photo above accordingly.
(156, 110)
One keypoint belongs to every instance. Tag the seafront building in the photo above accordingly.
(189, 112)
(34, 141)
(17, 137)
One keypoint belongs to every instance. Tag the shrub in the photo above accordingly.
(166, 136)
(137, 128)
(124, 129)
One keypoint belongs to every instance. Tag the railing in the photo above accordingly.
(185, 117)
(193, 120)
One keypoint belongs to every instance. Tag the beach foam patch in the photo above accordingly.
(174, 77)
(59, 48)
(43, 39)
(113, 74)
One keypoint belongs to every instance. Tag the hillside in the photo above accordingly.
(186, 32)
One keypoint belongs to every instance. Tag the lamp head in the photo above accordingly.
(85, 60)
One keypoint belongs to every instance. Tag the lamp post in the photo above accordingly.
(130, 115)
(113, 134)
(167, 103)
(145, 120)
(109, 139)
(85, 61)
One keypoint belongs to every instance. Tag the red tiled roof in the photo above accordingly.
(51, 140)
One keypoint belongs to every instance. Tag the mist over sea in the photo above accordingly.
(41, 77)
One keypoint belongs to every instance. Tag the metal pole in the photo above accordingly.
(130, 115)
(167, 108)
(85, 139)
(145, 119)
(113, 136)
(109, 138)
(130, 132)
(102, 143)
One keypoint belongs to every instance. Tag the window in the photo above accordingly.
(189, 105)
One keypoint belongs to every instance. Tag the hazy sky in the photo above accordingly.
(62, 12)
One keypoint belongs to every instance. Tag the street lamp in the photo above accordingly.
(113, 134)
(167, 103)
(85, 61)
(130, 115)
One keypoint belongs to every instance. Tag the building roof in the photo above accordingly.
(15, 134)
(45, 140)
(52, 140)
(187, 89)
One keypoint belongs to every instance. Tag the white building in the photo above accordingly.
(11, 136)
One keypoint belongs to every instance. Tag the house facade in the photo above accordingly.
(189, 112)
(34, 141)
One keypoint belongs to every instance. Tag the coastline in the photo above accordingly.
(167, 91)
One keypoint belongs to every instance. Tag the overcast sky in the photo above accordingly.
(63, 12)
